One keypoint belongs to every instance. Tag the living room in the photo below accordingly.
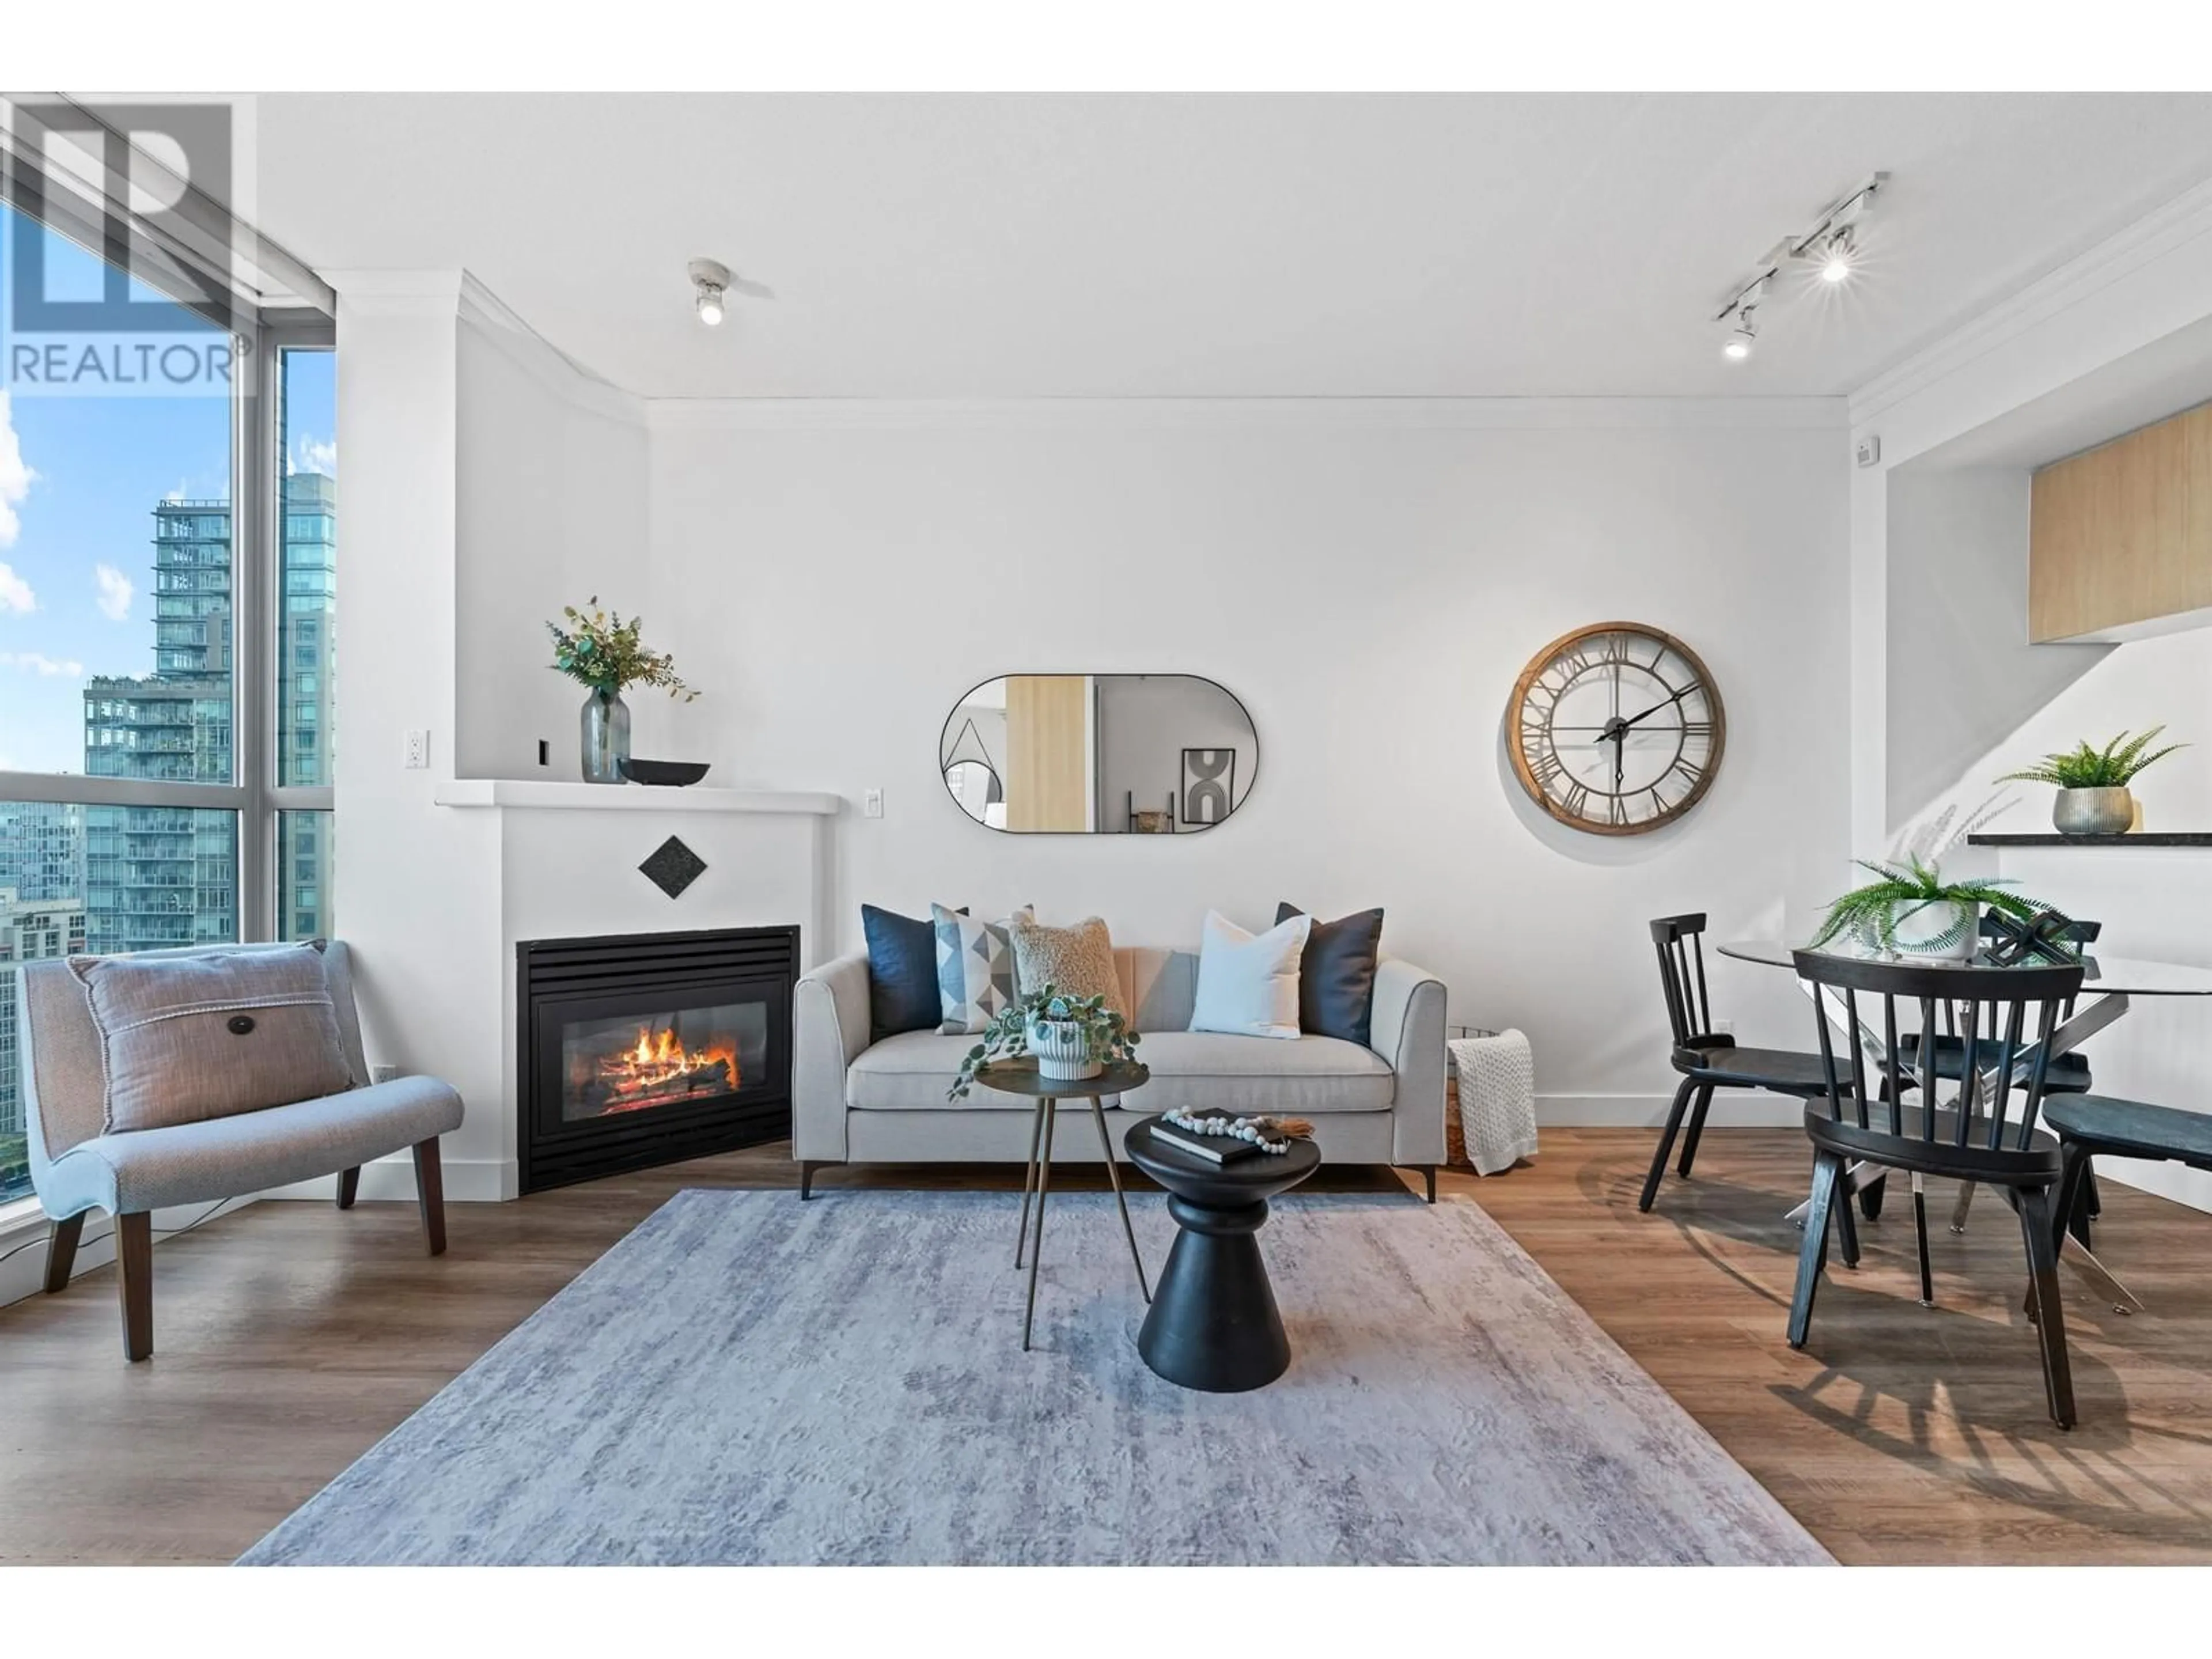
(984, 782)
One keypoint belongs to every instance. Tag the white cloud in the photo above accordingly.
(15, 479)
(115, 591)
(37, 662)
(15, 592)
(314, 454)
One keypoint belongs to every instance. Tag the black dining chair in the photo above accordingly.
(2089, 1125)
(1995, 1141)
(2068, 1073)
(1707, 1059)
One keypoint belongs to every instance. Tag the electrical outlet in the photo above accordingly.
(382, 1073)
(872, 804)
(1723, 1028)
(417, 757)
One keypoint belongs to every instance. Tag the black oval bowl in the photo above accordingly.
(675, 773)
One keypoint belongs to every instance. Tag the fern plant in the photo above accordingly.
(1905, 890)
(1007, 1036)
(2085, 768)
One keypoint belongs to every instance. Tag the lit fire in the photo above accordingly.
(658, 1069)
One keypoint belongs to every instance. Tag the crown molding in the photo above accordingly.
(397, 293)
(1272, 414)
(500, 325)
(2179, 221)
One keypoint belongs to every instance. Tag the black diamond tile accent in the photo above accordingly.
(673, 867)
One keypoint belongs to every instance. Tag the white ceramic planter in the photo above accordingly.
(1062, 1050)
(1918, 930)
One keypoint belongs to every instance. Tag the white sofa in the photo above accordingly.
(854, 1102)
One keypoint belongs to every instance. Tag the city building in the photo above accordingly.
(31, 928)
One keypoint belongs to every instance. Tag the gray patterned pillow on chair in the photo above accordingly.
(183, 1039)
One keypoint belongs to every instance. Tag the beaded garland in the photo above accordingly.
(1268, 1134)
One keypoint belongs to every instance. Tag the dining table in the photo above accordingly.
(2108, 984)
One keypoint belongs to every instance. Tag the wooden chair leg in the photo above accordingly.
(349, 1186)
(134, 1281)
(1846, 1226)
(2071, 1207)
(2036, 1228)
(1697, 1128)
(61, 1251)
(1812, 1253)
(431, 1192)
(1871, 1193)
(1920, 1237)
(1667, 1142)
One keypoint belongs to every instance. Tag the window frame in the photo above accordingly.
(257, 552)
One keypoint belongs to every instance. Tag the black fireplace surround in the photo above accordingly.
(644, 1048)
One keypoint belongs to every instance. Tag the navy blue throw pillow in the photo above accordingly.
(902, 992)
(1336, 975)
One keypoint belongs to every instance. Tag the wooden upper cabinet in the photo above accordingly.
(2120, 537)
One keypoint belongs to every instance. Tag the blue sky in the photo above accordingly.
(80, 476)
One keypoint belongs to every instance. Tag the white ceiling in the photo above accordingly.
(1258, 246)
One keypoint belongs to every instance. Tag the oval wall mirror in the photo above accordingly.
(1098, 754)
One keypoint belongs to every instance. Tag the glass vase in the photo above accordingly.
(606, 737)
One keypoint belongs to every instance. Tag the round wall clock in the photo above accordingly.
(1616, 728)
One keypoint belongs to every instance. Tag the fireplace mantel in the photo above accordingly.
(628, 797)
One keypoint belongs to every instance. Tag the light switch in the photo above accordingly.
(872, 804)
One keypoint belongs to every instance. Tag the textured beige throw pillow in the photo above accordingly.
(184, 1039)
(1077, 961)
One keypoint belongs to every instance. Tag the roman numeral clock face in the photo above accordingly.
(1616, 729)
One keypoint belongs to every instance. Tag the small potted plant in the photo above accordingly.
(1071, 1038)
(599, 650)
(1912, 909)
(2094, 798)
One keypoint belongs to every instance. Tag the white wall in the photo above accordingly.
(552, 511)
(2103, 334)
(1963, 678)
(1368, 582)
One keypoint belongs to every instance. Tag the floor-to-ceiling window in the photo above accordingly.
(167, 600)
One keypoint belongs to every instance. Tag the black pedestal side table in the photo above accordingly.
(1021, 1077)
(1213, 1324)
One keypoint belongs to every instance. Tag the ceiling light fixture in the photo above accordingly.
(1829, 245)
(711, 279)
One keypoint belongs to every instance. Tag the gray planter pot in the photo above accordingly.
(2093, 812)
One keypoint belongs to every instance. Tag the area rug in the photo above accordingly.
(750, 1378)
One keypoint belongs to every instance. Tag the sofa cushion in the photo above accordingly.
(250, 1153)
(1336, 976)
(911, 1072)
(903, 990)
(1248, 983)
(1208, 1070)
(1076, 962)
(184, 1039)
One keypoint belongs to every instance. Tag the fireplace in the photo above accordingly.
(647, 1049)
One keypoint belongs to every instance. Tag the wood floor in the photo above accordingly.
(288, 1338)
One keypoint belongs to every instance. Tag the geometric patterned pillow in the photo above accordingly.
(974, 970)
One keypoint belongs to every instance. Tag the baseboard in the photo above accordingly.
(1734, 1109)
(467, 1181)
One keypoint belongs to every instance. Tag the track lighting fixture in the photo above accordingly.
(710, 279)
(1830, 245)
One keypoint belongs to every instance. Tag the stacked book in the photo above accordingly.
(1214, 1149)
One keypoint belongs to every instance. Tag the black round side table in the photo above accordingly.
(1213, 1324)
(1021, 1077)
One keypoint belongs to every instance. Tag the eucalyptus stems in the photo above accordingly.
(1007, 1036)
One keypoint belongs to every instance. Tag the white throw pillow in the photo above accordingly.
(1248, 983)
